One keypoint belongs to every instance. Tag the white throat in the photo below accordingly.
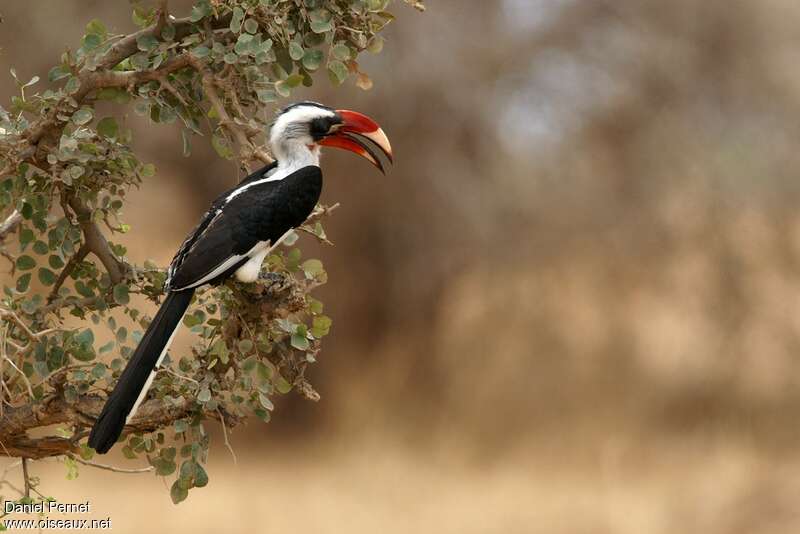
(294, 154)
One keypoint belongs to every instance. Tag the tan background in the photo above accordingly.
(572, 307)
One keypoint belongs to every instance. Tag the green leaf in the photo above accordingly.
(293, 81)
(236, 20)
(204, 395)
(314, 305)
(201, 9)
(265, 402)
(283, 89)
(181, 425)
(82, 116)
(191, 320)
(250, 26)
(300, 342)
(98, 370)
(75, 171)
(86, 337)
(55, 261)
(91, 41)
(376, 44)
(312, 268)
(312, 59)
(337, 71)
(23, 282)
(200, 476)
(121, 294)
(243, 45)
(46, 276)
(201, 51)
(140, 61)
(282, 385)
(26, 236)
(177, 492)
(96, 27)
(83, 289)
(146, 42)
(72, 86)
(263, 372)
(321, 26)
(295, 51)
(57, 73)
(25, 263)
(265, 96)
(168, 32)
(108, 127)
(341, 51)
(163, 466)
(321, 326)
(40, 247)
(122, 334)
(187, 472)
(245, 346)
(222, 146)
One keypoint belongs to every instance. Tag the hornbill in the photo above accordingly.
(236, 234)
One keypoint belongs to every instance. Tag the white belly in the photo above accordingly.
(248, 272)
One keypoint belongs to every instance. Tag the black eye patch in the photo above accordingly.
(321, 127)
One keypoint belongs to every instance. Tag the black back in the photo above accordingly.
(262, 212)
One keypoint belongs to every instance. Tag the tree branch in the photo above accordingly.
(67, 270)
(111, 78)
(10, 224)
(277, 293)
(96, 242)
(151, 415)
(246, 148)
(91, 80)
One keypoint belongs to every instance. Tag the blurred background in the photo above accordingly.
(573, 306)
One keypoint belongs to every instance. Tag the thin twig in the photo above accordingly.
(166, 84)
(225, 436)
(24, 378)
(26, 477)
(178, 375)
(110, 467)
(8, 314)
(163, 14)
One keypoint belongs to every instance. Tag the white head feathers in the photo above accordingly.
(290, 136)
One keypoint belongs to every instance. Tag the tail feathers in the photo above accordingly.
(135, 379)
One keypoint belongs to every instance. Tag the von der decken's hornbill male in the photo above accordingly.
(237, 233)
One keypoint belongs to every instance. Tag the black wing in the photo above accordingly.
(210, 215)
(238, 220)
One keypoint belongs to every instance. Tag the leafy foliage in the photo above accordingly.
(65, 173)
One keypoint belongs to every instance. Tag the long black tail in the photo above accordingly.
(135, 379)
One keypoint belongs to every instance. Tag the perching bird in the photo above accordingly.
(236, 234)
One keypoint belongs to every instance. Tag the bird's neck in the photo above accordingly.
(294, 155)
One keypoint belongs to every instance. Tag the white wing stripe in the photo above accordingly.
(143, 393)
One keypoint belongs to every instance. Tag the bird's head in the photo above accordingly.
(304, 127)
